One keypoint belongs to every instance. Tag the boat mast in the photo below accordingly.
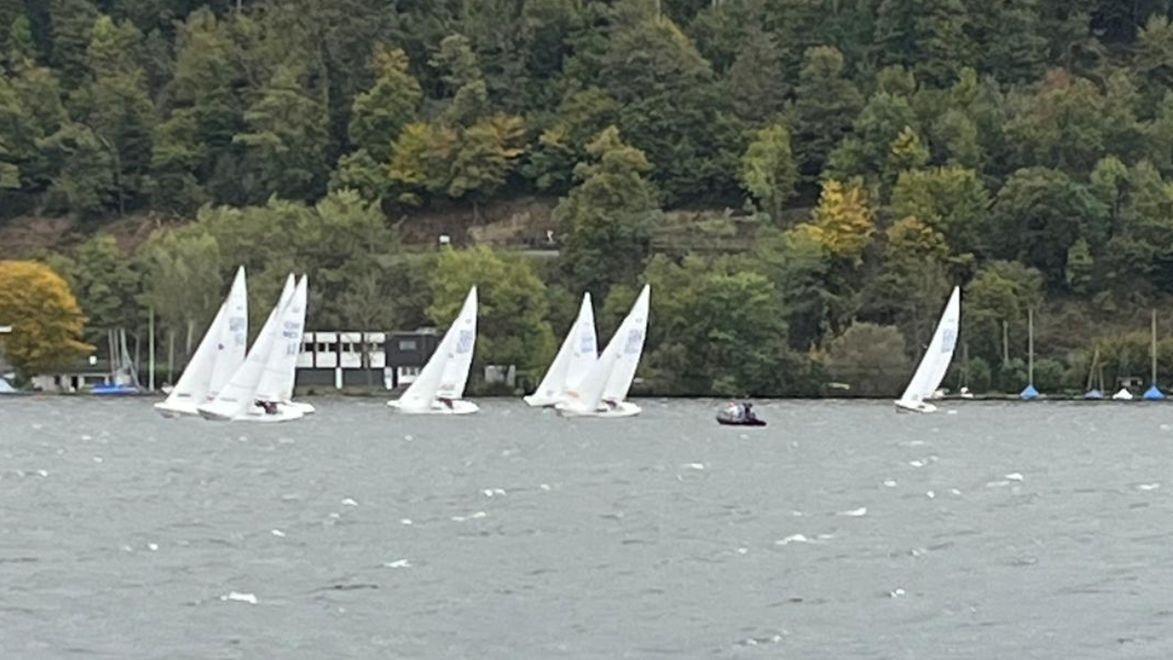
(1153, 351)
(1030, 346)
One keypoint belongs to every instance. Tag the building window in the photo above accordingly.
(308, 347)
(410, 371)
(323, 348)
(407, 345)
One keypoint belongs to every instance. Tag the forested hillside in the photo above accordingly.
(855, 159)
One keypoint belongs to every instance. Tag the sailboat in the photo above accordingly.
(238, 398)
(1030, 393)
(292, 332)
(574, 360)
(1154, 393)
(603, 391)
(439, 387)
(936, 359)
(219, 354)
(123, 379)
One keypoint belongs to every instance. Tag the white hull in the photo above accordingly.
(305, 408)
(915, 406)
(255, 414)
(621, 409)
(539, 401)
(176, 409)
(458, 407)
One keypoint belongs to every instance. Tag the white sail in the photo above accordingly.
(935, 362)
(232, 336)
(297, 323)
(217, 356)
(460, 350)
(603, 389)
(281, 367)
(446, 373)
(239, 394)
(632, 331)
(574, 360)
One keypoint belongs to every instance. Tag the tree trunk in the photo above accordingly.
(170, 356)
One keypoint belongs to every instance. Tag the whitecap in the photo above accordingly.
(277, 533)
(824, 537)
(1152, 486)
(793, 538)
(86, 436)
(97, 459)
(544, 486)
(997, 484)
(152, 546)
(398, 563)
(409, 437)
(43, 473)
(954, 491)
(896, 594)
(237, 596)
(916, 464)
(695, 466)
(854, 513)
(1013, 476)
(742, 551)
(349, 502)
(406, 521)
(950, 412)
(930, 494)
(890, 483)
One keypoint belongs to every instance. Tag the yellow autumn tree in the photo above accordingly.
(45, 318)
(843, 222)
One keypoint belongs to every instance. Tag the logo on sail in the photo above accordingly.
(635, 342)
(948, 340)
(464, 342)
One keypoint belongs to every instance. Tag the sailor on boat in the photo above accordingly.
(739, 414)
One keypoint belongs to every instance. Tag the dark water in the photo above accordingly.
(1025, 531)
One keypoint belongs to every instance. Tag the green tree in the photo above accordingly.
(870, 358)
(951, 200)
(1064, 124)
(380, 113)
(286, 137)
(868, 151)
(71, 23)
(512, 308)
(562, 145)
(107, 287)
(1002, 291)
(768, 172)
(1038, 215)
(668, 106)
(46, 321)
(120, 111)
(183, 282)
(756, 81)
(931, 37)
(827, 102)
(727, 321)
(843, 222)
(605, 221)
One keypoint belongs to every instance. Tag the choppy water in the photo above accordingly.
(843, 530)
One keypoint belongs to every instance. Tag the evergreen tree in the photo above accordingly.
(606, 220)
(827, 103)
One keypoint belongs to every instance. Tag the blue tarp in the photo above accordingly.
(1029, 393)
(1093, 394)
(1154, 393)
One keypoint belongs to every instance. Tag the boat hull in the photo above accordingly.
(540, 401)
(256, 415)
(305, 408)
(915, 406)
(607, 410)
(749, 422)
(458, 407)
(177, 409)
